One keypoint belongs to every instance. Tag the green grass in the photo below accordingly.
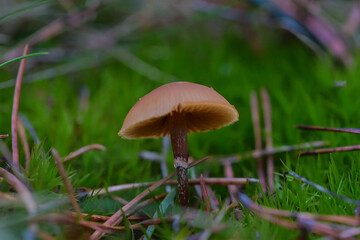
(301, 88)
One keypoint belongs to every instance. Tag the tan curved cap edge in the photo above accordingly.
(204, 108)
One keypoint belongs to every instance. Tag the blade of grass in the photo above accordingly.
(22, 57)
(163, 209)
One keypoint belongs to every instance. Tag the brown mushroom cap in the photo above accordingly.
(204, 108)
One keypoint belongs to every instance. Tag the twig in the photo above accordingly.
(66, 181)
(269, 141)
(312, 226)
(15, 111)
(25, 144)
(4, 136)
(83, 150)
(204, 194)
(275, 150)
(257, 133)
(196, 181)
(329, 129)
(25, 194)
(330, 150)
(324, 190)
(117, 217)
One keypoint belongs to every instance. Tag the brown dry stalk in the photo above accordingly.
(269, 141)
(25, 143)
(15, 111)
(2, 136)
(330, 150)
(229, 173)
(195, 181)
(328, 129)
(117, 217)
(69, 188)
(83, 150)
(257, 133)
(204, 194)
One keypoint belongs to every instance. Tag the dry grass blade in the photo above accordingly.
(269, 142)
(330, 150)
(15, 111)
(257, 133)
(116, 217)
(2, 136)
(25, 144)
(83, 150)
(194, 181)
(204, 194)
(66, 181)
(328, 129)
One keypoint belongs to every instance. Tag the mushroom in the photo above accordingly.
(178, 108)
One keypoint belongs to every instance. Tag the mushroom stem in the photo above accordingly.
(178, 134)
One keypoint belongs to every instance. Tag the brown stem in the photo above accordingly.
(178, 134)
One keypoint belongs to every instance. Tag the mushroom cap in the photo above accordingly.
(204, 108)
